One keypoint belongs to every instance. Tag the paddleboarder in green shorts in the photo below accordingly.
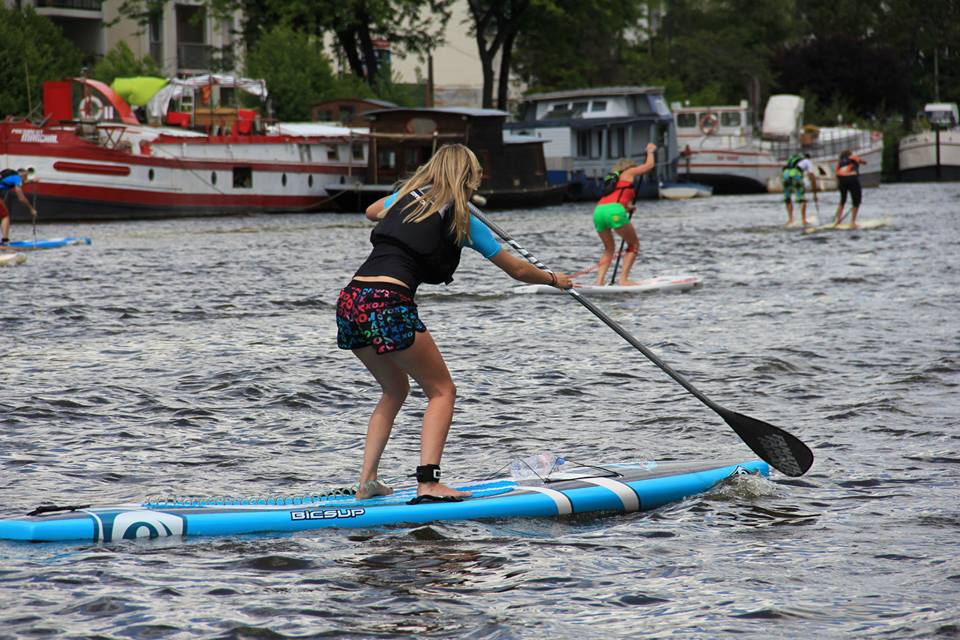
(612, 214)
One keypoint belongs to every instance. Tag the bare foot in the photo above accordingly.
(372, 488)
(628, 283)
(440, 490)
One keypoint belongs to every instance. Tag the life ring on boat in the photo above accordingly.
(90, 108)
(709, 123)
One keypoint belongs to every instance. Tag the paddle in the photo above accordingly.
(34, 217)
(623, 241)
(783, 451)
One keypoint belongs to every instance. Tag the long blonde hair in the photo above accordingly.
(623, 164)
(453, 174)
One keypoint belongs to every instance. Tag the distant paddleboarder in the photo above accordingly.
(612, 214)
(11, 180)
(791, 178)
(848, 181)
(419, 234)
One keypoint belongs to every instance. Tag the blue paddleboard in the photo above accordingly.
(577, 490)
(51, 243)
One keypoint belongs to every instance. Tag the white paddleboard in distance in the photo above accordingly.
(680, 282)
(846, 226)
(12, 258)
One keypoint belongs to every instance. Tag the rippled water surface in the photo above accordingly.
(198, 356)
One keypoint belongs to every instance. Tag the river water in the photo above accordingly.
(197, 356)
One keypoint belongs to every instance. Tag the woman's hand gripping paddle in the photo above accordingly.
(785, 452)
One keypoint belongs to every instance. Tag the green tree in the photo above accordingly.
(572, 44)
(297, 72)
(34, 50)
(120, 62)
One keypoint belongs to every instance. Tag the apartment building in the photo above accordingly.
(182, 36)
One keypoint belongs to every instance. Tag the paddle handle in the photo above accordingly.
(607, 320)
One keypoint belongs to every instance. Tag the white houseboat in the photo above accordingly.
(934, 154)
(718, 146)
(588, 130)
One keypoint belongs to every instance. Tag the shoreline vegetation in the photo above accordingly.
(701, 52)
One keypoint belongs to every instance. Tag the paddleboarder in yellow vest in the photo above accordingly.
(11, 180)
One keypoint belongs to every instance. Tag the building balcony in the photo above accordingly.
(88, 9)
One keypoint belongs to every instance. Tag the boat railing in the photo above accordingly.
(826, 145)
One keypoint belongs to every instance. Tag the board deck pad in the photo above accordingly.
(679, 282)
(611, 488)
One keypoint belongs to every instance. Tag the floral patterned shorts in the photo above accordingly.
(378, 315)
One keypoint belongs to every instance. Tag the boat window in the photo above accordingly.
(422, 126)
(561, 110)
(387, 159)
(150, 175)
(283, 179)
(616, 147)
(242, 178)
(730, 119)
(346, 113)
(357, 151)
(596, 149)
(333, 153)
(583, 144)
(599, 105)
(213, 177)
(660, 105)
(310, 181)
(580, 107)
(686, 120)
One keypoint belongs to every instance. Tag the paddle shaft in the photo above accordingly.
(782, 450)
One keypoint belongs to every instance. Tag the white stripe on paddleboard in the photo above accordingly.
(629, 497)
(97, 524)
(564, 506)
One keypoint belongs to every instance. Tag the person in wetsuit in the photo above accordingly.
(418, 238)
(11, 180)
(612, 214)
(848, 181)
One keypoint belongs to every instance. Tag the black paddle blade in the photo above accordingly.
(785, 452)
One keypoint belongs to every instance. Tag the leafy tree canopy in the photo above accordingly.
(121, 62)
(34, 50)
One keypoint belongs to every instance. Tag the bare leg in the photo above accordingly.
(803, 212)
(839, 214)
(5, 226)
(395, 385)
(789, 212)
(606, 237)
(424, 363)
(629, 235)
(853, 217)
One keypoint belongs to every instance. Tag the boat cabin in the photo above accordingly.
(942, 115)
(347, 111)
(586, 131)
(403, 139)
